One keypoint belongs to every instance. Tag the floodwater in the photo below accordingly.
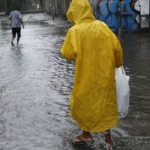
(35, 84)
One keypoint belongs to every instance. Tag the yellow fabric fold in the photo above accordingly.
(97, 53)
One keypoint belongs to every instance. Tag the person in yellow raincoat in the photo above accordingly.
(97, 53)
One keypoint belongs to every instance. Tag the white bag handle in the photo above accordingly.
(123, 71)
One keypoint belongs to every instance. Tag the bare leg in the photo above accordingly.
(86, 135)
(18, 35)
(18, 40)
(13, 38)
(12, 42)
(108, 138)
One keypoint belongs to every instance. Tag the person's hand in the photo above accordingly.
(23, 26)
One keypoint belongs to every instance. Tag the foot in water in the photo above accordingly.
(12, 44)
(84, 138)
(79, 141)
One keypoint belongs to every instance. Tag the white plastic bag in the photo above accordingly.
(123, 92)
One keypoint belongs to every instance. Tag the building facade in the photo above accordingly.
(129, 15)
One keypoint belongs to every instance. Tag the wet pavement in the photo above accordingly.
(35, 84)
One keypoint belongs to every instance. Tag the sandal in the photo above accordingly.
(81, 142)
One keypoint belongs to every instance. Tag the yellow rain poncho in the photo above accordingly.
(97, 52)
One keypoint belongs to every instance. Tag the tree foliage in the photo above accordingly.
(22, 4)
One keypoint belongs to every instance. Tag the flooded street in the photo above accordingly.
(35, 86)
